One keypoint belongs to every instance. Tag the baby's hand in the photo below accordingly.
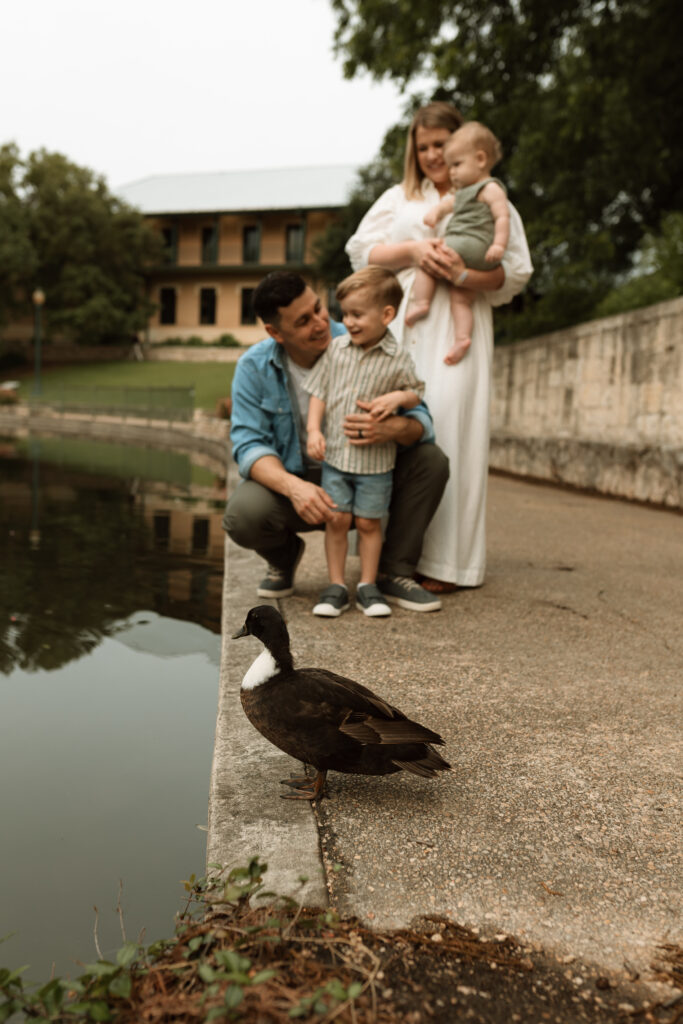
(494, 253)
(315, 444)
(431, 217)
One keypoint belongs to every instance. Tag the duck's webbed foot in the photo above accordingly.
(306, 789)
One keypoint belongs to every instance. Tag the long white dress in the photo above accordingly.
(458, 396)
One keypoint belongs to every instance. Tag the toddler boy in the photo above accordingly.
(365, 365)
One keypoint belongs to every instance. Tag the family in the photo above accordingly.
(383, 422)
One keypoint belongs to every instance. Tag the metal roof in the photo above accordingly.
(284, 188)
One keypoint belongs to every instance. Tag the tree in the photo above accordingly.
(84, 247)
(17, 255)
(660, 275)
(332, 262)
(584, 96)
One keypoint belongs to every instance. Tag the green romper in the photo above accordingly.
(470, 230)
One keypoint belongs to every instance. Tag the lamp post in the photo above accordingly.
(38, 303)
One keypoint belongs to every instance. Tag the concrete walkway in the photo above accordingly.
(557, 687)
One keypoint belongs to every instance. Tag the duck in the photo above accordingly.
(326, 720)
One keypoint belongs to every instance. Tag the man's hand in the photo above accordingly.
(363, 429)
(310, 501)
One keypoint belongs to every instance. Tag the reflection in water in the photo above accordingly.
(110, 590)
(80, 551)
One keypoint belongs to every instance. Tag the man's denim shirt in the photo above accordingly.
(262, 422)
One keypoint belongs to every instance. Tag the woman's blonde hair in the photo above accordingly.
(433, 115)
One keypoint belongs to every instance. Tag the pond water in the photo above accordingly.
(111, 566)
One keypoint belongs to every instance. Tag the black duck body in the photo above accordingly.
(325, 719)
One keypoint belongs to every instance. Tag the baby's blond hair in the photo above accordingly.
(476, 135)
(383, 284)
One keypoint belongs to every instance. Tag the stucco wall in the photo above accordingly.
(599, 405)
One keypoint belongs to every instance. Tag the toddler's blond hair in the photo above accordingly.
(383, 284)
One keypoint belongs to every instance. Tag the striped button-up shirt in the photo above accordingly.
(346, 373)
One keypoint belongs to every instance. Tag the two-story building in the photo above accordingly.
(223, 232)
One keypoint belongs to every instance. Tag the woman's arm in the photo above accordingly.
(478, 280)
(517, 265)
(429, 254)
(451, 268)
(371, 243)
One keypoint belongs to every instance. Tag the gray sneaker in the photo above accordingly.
(333, 601)
(407, 593)
(370, 601)
(280, 582)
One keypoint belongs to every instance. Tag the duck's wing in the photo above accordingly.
(367, 729)
(363, 715)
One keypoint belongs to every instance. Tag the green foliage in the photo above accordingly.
(226, 340)
(660, 271)
(584, 98)
(210, 965)
(63, 231)
(18, 260)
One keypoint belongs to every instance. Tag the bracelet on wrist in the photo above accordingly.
(461, 277)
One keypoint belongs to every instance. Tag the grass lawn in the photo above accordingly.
(211, 381)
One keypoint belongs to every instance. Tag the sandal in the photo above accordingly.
(437, 586)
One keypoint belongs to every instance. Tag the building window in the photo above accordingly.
(248, 314)
(162, 530)
(251, 243)
(294, 243)
(169, 236)
(167, 306)
(210, 244)
(200, 536)
(207, 305)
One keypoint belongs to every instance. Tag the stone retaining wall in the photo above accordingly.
(598, 406)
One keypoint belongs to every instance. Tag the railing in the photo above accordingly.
(146, 403)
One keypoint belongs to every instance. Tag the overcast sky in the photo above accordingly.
(131, 88)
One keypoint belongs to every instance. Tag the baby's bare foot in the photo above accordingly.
(416, 311)
(456, 353)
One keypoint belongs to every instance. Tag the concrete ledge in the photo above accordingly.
(246, 813)
(648, 473)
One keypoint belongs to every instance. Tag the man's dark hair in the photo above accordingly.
(275, 292)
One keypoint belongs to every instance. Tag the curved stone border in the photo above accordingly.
(205, 439)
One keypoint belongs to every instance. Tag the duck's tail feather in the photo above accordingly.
(426, 766)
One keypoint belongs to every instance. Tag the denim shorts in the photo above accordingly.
(364, 494)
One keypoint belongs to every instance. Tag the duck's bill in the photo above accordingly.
(242, 632)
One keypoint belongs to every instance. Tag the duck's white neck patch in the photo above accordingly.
(260, 670)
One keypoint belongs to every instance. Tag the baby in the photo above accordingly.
(478, 231)
(367, 365)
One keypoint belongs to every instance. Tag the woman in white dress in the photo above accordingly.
(393, 234)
